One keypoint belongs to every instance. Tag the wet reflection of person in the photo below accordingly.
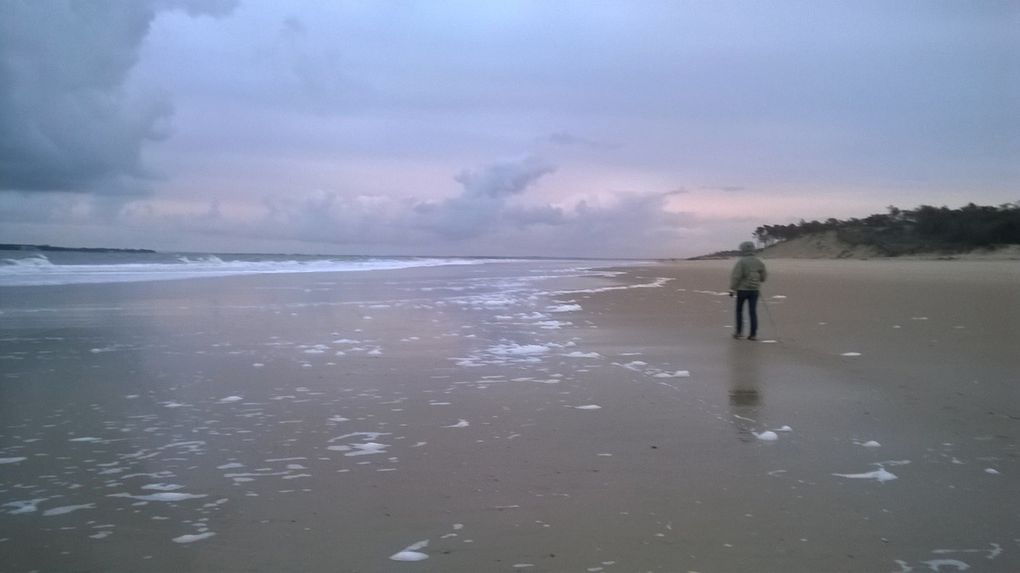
(745, 396)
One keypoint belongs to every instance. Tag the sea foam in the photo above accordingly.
(38, 269)
(411, 553)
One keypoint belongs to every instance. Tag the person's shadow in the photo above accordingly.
(745, 396)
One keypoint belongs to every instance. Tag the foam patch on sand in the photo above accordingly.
(67, 509)
(165, 497)
(191, 538)
(713, 292)
(24, 505)
(938, 564)
(163, 486)
(657, 283)
(517, 349)
(945, 564)
(411, 553)
(354, 448)
(509, 353)
(674, 374)
(635, 365)
(644, 368)
(552, 324)
(366, 449)
(880, 475)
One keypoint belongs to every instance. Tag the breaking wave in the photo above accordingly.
(38, 269)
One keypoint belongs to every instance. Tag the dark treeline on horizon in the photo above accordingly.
(904, 231)
(24, 247)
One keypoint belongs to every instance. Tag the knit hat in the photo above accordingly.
(747, 247)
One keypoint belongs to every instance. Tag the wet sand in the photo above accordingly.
(519, 417)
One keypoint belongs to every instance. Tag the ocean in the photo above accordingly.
(35, 268)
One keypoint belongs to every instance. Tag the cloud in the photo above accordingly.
(634, 224)
(487, 216)
(483, 203)
(67, 120)
(504, 178)
(484, 218)
(329, 217)
(309, 72)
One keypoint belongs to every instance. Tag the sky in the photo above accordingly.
(630, 128)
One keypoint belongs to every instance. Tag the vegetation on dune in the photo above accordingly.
(905, 232)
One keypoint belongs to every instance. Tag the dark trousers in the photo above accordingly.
(751, 297)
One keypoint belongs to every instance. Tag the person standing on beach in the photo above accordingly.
(745, 280)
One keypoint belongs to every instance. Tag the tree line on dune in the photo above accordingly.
(907, 231)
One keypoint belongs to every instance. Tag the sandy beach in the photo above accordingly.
(528, 416)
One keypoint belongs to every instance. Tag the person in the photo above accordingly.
(745, 282)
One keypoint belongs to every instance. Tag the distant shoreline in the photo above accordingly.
(827, 245)
(51, 248)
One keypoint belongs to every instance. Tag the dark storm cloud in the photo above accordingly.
(67, 123)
